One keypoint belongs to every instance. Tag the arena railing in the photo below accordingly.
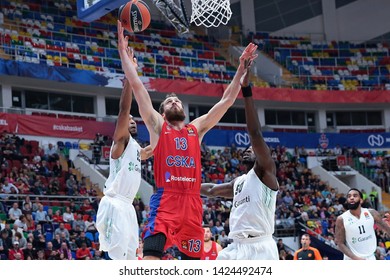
(47, 200)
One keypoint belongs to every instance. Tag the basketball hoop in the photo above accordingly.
(210, 12)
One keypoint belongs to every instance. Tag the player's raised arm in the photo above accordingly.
(121, 133)
(264, 167)
(153, 120)
(209, 120)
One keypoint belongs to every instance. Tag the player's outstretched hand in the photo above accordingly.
(247, 57)
(123, 41)
(131, 55)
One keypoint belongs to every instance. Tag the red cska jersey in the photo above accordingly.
(177, 163)
(212, 254)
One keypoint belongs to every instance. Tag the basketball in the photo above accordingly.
(134, 16)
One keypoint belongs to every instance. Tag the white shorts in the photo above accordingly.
(256, 248)
(116, 222)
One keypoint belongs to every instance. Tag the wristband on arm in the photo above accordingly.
(246, 91)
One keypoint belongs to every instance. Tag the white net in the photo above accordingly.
(210, 13)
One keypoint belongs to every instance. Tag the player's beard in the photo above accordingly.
(175, 115)
(353, 206)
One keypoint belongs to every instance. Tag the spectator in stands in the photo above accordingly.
(44, 169)
(21, 222)
(86, 208)
(65, 251)
(51, 153)
(38, 188)
(90, 225)
(282, 255)
(56, 241)
(98, 255)
(72, 245)
(218, 227)
(40, 255)
(145, 213)
(68, 216)
(320, 151)
(307, 252)
(374, 198)
(39, 243)
(280, 245)
(15, 253)
(97, 153)
(337, 150)
(62, 229)
(26, 209)
(30, 237)
(50, 252)
(79, 222)
(57, 169)
(30, 222)
(57, 217)
(71, 184)
(75, 233)
(8, 187)
(73, 207)
(83, 253)
(288, 200)
(41, 215)
(29, 252)
(9, 152)
(35, 205)
(64, 238)
(83, 239)
(223, 239)
(38, 230)
(5, 244)
(52, 189)
(16, 229)
(14, 213)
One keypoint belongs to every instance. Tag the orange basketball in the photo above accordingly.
(134, 16)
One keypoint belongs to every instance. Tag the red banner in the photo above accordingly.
(272, 94)
(55, 127)
(7, 123)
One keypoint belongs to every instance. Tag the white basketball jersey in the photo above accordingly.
(359, 233)
(253, 210)
(125, 172)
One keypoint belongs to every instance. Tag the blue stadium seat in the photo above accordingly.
(47, 228)
(48, 236)
(90, 236)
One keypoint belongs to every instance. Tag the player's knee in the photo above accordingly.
(154, 246)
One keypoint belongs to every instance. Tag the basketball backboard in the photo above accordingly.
(90, 10)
